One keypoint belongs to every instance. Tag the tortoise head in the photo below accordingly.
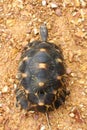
(43, 32)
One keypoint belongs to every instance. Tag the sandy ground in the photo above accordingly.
(67, 24)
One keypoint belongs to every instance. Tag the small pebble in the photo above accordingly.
(44, 2)
(10, 22)
(58, 12)
(85, 91)
(68, 70)
(35, 31)
(80, 33)
(42, 127)
(32, 39)
(85, 87)
(15, 86)
(82, 81)
(79, 129)
(53, 5)
(0, 93)
(70, 56)
(0, 105)
(31, 112)
(5, 89)
(83, 3)
(73, 74)
(77, 3)
(81, 105)
(72, 115)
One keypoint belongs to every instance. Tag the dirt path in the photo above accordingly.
(67, 24)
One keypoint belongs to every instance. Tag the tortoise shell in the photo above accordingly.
(41, 74)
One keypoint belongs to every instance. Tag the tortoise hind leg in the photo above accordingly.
(61, 96)
(21, 98)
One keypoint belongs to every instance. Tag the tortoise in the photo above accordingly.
(41, 75)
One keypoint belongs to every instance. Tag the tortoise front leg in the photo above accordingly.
(21, 98)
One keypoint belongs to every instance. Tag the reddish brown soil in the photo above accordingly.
(67, 24)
